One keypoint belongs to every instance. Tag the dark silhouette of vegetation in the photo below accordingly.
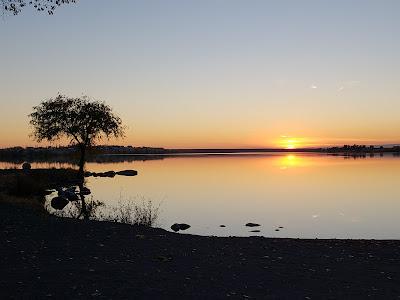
(80, 120)
(362, 149)
(48, 6)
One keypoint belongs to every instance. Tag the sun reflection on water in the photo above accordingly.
(291, 161)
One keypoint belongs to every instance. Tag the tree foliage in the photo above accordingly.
(49, 6)
(79, 119)
(82, 121)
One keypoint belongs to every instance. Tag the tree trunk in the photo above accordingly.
(82, 160)
(84, 210)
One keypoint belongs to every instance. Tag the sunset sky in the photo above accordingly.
(201, 74)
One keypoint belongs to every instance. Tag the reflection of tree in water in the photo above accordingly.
(134, 211)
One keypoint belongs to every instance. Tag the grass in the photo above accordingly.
(133, 211)
(136, 212)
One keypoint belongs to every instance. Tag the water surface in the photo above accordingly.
(309, 195)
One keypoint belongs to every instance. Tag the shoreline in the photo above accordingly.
(45, 256)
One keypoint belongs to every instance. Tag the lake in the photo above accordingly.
(309, 195)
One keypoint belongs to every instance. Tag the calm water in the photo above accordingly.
(310, 195)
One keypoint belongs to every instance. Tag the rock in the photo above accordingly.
(254, 230)
(26, 166)
(127, 173)
(222, 226)
(48, 192)
(252, 225)
(184, 226)
(71, 196)
(59, 203)
(88, 174)
(176, 227)
(110, 174)
(71, 189)
(84, 191)
(276, 229)
(107, 174)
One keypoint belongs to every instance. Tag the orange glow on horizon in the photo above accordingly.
(288, 142)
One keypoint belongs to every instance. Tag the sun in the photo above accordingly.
(288, 142)
(291, 144)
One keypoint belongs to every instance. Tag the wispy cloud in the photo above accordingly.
(348, 85)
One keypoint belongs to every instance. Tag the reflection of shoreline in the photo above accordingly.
(118, 158)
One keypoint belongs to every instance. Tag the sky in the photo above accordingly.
(212, 74)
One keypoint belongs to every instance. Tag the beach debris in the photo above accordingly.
(182, 226)
(256, 230)
(59, 203)
(252, 225)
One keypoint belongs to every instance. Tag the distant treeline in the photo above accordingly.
(362, 149)
(71, 154)
(100, 154)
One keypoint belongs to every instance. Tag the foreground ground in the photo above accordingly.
(42, 256)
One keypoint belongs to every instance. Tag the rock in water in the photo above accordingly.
(71, 189)
(26, 166)
(71, 196)
(252, 225)
(59, 203)
(84, 191)
(176, 227)
(127, 173)
(110, 174)
(48, 192)
(184, 226)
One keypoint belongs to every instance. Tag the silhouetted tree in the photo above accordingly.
(16, 6)
(82, 121)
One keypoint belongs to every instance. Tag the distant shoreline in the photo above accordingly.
(71, 153)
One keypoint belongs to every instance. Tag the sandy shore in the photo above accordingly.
(43, 256)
